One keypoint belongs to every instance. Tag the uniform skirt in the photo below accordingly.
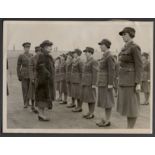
(75, 90)
(105, 97)
(63, 87)
(128, 101)
(58, 85)
(88, 94)
(145, 86)
(68, 89)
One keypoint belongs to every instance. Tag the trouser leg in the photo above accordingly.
(25, 88)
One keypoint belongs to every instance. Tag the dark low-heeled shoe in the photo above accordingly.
(71, 106)
(100, 123)
(43, 119)
(106, 124)
(77, 110)
(84, 116)
(91, 116)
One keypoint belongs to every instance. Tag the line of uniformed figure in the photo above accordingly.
(92, 82)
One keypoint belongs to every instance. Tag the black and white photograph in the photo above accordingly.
(78, 76)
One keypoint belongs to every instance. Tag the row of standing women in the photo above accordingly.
(82, 81)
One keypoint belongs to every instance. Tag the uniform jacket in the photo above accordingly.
(89, 74)
(23, 66)
(146, 72)
(62, 71)
(57, 73)
(76, 71)
(45, 77)
(130, 71)
(106, 70)
(33, 64)
(68, 71)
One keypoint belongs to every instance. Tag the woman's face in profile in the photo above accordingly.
(126, 37)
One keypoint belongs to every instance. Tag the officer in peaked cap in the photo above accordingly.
(23, 72)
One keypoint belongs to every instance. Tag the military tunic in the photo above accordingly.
(23, 73)
(89, 77)
(68, 77)
(105, 77)
(76, 76)
(57, 77)
(63, 86)
(129, 75)
(145, 86)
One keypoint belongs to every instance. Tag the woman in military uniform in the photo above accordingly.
(63, 87)
(89, 74)
(45, 91)
(145, 85)
(76, 75)
(33, 81)
(105, 81)
(57, 77)
(129, 77)
(68, 77)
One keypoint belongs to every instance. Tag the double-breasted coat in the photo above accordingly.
(23, 73)
(105, 77)
(45, 91)
(89, 77)
(76, 76)
(130, 73)
(145, 85)
(68, 77)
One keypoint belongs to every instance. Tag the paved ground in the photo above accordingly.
(61, 117)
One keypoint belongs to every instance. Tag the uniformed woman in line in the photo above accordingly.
(33, 81)
(76, 75)
(145, 85)
(63, 86)
(105, 81)
(89, 74)
(45, 91)
(130, 72)
(68, 77)
(57, 77)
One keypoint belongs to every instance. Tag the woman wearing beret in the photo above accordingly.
(129, 77)
(105, 81)
(76, 75)
(89, 74)
(68, 77)
(57, 77)
(45, 91)
(63, 86)
(145, 85)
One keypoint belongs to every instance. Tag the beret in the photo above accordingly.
(46, 43)
(131, 31)
(78, 51)
(89, 49)
(105, 42)
(37, 48)
(26, 44)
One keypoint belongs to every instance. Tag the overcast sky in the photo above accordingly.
(74, 34)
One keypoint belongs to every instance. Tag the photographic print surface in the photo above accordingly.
(77, 76)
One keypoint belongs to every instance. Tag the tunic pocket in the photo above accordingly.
(102, 79)
(126, 78)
